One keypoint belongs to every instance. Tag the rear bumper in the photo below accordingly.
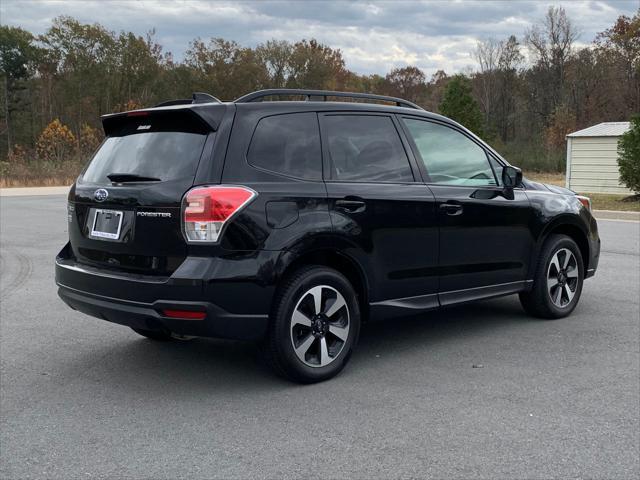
(139, 301)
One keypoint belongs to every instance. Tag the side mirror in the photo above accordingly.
(511, 176)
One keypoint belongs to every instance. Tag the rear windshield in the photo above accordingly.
(148, 147)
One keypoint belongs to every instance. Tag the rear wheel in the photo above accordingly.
(558, 280)
(158, 335)
(314, 327)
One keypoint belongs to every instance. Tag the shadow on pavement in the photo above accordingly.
(210, 366)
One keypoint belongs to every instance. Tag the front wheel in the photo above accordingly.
(314, 327)
(558, 279)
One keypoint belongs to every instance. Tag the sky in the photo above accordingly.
(374, 36)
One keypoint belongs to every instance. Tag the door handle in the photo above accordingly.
(452, 209)
(350, 206)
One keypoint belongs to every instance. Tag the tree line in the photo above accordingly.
(526, 94)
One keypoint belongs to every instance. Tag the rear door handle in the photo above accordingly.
(452, 209)
(350, 206)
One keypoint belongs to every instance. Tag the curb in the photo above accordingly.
(616, 215)
(29, 191)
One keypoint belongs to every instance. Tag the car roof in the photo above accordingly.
(212, 111)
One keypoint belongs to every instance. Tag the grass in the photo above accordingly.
(38, 173)
(543, 177)
(599, 201)
(605, 201)
(36, 182)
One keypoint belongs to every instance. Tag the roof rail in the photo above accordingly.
(197, 97)
(314, 95)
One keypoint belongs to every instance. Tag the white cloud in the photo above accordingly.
(373, 36)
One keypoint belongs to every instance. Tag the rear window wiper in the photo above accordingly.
(131, 177)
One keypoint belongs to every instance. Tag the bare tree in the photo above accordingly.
(550, 43)
(488, 53)
(510, 61)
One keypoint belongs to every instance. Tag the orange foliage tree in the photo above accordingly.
(56, 142)
(90, 138)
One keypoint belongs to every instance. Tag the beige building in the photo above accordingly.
(592, 159)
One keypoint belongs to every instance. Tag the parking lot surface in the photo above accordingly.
(474, 391)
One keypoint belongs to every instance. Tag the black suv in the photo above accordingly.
(293, 222)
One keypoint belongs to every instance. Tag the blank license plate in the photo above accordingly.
(107, 224)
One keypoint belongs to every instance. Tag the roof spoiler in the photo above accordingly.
(208, 115)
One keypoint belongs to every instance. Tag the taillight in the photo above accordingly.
(206, 210)
(586, 201)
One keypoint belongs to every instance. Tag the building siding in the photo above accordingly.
(593, 165)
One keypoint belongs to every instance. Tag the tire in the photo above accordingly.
(303, 344)
(157, 335)
(556, 291)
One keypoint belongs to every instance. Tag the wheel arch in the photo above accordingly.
(339, 261)
(573, 230)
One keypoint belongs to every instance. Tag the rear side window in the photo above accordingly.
(365, 148)
(450, 157)
(148, 147)
(288, 145)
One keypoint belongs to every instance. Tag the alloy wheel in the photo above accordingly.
(319, 326)
(562, 277)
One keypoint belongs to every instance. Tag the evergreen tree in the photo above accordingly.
(458, 104)
(629, 156)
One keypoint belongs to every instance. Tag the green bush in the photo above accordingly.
(629, 156)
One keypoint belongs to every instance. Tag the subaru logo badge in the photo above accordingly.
(100, 195)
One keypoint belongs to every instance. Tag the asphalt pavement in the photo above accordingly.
(478, 391)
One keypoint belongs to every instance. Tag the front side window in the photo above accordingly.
(365, 148)
(288, 145)
(450, 157)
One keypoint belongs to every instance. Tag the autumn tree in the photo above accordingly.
(138, 65)
(89, 139)
(315, 65)
(561, 123)
(225, 68)
(408, 83)
(275, 55)
(82, 69)
(56, 143)
(620, 45)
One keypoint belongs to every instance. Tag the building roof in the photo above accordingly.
(605, 129)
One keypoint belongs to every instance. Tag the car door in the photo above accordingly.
(381, 210)
(485, 242)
